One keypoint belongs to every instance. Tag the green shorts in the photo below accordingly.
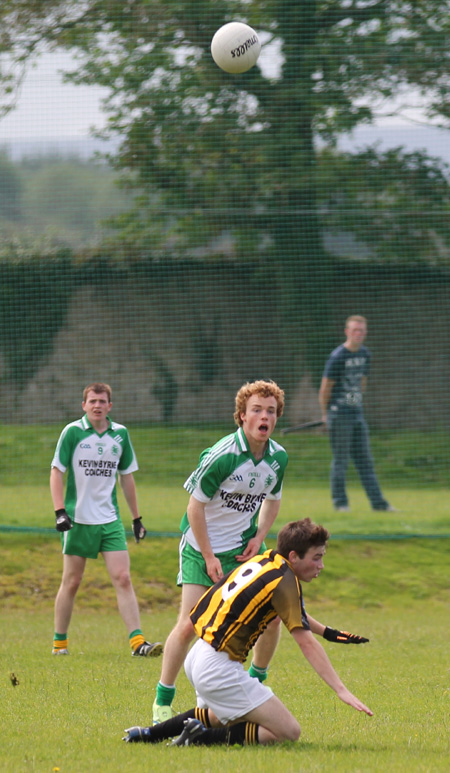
(192, 569)
(88, 541)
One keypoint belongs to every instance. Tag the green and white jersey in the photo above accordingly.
(93, 461)
(233, 486)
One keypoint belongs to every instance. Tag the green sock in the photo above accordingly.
(258, 673)
(164, 694)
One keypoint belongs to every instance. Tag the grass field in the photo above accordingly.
(168, 455)
(413, 469)
(67, 715)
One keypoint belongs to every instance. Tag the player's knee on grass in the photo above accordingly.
(291, 731)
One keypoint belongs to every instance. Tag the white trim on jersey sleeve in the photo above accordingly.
(200, 496)
(132, 468)
(275, 496)
(57, 464)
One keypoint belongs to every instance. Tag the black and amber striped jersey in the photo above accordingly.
(233, 613)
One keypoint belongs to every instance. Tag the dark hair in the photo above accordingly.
(98, 389)
(300, 536)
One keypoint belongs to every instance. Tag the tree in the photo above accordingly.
(215, 155)
(402, 216)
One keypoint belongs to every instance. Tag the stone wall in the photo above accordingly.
(178, 350)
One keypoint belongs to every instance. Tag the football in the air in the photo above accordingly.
(235, 47)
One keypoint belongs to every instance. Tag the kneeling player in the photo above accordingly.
(233, 707)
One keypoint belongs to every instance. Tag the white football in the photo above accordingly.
(235, 47)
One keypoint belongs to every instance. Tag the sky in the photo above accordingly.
(48, 107)
(50, 113)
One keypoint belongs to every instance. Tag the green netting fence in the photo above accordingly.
(241, 236)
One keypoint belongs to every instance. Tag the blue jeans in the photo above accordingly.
(349, 438)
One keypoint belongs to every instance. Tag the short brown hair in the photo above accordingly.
(301, 536)
(355, 318)
(263, 388)
(98, 388)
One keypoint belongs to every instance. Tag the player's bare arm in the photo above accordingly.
(197, 521)
(57, 488)
(63, 522)
(316, 627)
(319, 660)
(326, 388)
(267, 515)
(129, 489)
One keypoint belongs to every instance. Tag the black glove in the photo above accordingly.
(138, 529)
(63, 522)
(343, 637)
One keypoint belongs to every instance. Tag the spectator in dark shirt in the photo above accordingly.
(341, 400)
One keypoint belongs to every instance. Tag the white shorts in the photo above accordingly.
(221, 684)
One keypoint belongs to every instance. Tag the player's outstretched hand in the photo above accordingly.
(138, 529)
(347, 697)
(343, 637)
(63, 522)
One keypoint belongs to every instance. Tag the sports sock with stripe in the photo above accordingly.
(258, 673)
(175, 726)
(136, 639)
(165, 694)
(243, 733)
(60, 641)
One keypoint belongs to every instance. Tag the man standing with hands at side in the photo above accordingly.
(95, 450)
(341, 400)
